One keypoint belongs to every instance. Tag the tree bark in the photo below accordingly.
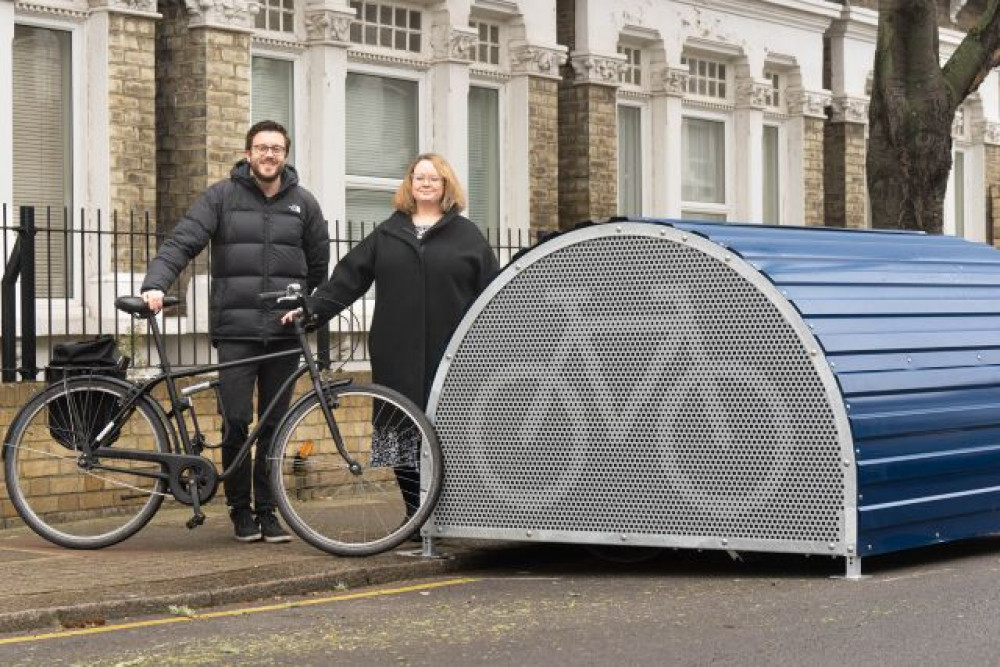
(913, 106)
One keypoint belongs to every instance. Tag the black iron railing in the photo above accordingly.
(62, 275)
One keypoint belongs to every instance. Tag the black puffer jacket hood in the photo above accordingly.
(259, 244)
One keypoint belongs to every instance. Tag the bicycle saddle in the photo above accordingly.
(134, 305)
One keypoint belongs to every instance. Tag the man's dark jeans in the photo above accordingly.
(236, 386)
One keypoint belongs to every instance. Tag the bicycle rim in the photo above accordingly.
(350, 514)
(61, 500)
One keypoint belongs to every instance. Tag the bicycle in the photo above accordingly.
(84, 481)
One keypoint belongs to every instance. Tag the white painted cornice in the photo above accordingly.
(597, 68)
(846, 109)
(328, 23)
(47, 10)
(807, 102)
(145, 8)
(498, 10)
(537, 59)
(361, 54)
(856, 23)
(814, 15)
(450, 43)
(232, 15)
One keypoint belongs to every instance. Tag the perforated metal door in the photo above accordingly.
(633, 388)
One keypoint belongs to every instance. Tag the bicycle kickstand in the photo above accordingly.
(198, 518)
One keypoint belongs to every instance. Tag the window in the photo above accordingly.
(484, 159)
(771, 176)
(276, 15)
(704, 158)
(774, 94)
(487, 49)
(382, 139)
(388, 26)
(707, 78)
(631, 74)
(629, 160)
(43, 172)
(272, 91)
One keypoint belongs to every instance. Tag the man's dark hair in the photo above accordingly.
(268, 126)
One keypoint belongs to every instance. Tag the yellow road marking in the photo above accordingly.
(235, 612)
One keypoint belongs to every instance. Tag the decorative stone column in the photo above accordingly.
(805, 194)
(669, 88)
(748, 153)
(534, 86)
(846, 147)
(449, 75)
(328, 24)
(203, 97)
(588, 138)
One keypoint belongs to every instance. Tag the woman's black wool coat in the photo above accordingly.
(423, 288)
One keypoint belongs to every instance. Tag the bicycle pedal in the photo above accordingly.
(195, 521)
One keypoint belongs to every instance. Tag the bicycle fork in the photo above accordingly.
(317, 383)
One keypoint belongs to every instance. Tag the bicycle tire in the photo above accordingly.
(328, 506)
(53, 494)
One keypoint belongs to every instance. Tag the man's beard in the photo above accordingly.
(265, 179)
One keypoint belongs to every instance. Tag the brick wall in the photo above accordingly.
(132, 116)
(813, 171)
(588, 152)
(71, 492)
(202, 107)
(844, 182)
(543, 140)
(993, 194)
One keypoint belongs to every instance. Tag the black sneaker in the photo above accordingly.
(245, 526)
(271, 528)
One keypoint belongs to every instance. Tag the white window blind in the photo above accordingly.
(381, 125)
(629, 161)
(484, 159)
(272, 91)
(704, 151)
(771, 176)
(365, 209)
(43, 177)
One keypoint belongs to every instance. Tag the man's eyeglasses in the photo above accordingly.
(262, 149)
(420, 178)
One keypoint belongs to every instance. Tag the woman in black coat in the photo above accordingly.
(428, 264)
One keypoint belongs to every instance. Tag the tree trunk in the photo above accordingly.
(913, 105)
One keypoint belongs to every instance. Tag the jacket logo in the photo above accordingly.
(295, 207)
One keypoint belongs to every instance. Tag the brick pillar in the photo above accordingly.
(203, 100)
(132, 129)
(588, 138)
(844, 155)
(992, 161)
(543, 160)
(534, 85)
(813, 171)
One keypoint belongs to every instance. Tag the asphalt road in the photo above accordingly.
(561, 606)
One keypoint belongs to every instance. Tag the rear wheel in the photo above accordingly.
(370, 510)
(59, 497)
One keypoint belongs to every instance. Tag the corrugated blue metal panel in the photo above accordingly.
(910, 326)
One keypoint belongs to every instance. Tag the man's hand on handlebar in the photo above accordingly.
(153, 299)
(291, 315)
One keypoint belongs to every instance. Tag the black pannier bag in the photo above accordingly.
(79, 417)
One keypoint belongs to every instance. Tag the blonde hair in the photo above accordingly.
(453, 195)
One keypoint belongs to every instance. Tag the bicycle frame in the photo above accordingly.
(184, 457)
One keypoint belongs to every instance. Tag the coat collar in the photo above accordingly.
(400, 225)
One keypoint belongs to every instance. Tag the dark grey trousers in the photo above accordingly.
(236, 387)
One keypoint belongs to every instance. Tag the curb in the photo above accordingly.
(85, 614)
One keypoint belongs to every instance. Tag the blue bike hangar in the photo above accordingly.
(727, 386)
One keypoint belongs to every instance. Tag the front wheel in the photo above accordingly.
(61, 498)
(366, 511)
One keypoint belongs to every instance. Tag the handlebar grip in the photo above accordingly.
(269, 296)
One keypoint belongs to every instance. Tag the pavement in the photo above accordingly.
(49, 587)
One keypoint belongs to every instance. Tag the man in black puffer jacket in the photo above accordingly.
(266, 232)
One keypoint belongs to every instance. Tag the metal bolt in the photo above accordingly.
(448, 357)
(517, 267)
(726, 259)
(528, 533)
(684, 237)
(623, 537)
(937, 535)
(846, 462)
(847, 406)
(813, 353)
(724, 541)
(832, 546)
(861, 496)
(833, 364)
(618, 229)
(850, 550)
(909, 360)
(979, 357)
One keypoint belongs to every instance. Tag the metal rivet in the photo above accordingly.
(847, 405)
(447, 356)
(846, 463)
(909, 360)
(937, 535)
(813, 353)
(833, 364)
(517, 267)
(623, 537)
(727, 258)
(831, 546)
(528, 533)
(618, 229)
(684, 237)
(724, 541)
